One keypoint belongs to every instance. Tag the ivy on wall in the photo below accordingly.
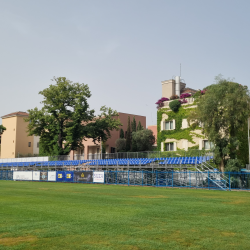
(177, 133)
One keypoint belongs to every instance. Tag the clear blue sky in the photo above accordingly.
(122, 49)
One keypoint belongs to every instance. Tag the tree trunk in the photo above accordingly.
(222, 167)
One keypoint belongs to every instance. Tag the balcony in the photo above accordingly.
(190, 100)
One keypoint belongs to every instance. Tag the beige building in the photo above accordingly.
(172, 141)
(15, 140)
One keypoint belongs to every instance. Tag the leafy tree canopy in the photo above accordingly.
(2, 129)
(143, 139)
(223, 111)
(120, 145)
(66, 119)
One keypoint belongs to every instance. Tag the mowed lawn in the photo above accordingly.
(36, 215)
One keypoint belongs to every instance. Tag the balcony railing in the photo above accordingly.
(190, 100)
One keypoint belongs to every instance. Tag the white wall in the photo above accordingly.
(35, 141)
(26, 159)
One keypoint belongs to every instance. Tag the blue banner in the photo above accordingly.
(69, 175)
(60, 176)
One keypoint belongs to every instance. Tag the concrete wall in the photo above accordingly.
(8, 144)
(22, 138)
(15, 138)
(35, 142)
(168, 88)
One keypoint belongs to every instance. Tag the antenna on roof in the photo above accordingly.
(180, 69)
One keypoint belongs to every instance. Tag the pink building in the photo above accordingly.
(154, 129)
(92, 148)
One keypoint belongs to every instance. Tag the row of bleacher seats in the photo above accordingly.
(113, 162)
(185, 160)
(145, 161)
(122, 162)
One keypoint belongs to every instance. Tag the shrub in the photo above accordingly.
(120, 145)
(185, 95)
(233, 165)
(160, 102)
(174, 105)
(203, 92)
(173, 97)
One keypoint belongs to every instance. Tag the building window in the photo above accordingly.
(112, 150)
(169, 146)
(29, 144)
(98, 150)
(169, 125)
(37, 145)
(208, 144)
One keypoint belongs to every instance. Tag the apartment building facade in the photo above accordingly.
(15, 140)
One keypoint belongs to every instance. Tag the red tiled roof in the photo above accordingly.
(18, 113)
(188, 90)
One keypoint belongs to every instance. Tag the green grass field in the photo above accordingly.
(35, 215)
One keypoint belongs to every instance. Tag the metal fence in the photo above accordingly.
(150, 154)
(180, 179)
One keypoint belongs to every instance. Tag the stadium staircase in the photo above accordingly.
(216, 179)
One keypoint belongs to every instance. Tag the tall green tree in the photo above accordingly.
(133, 125)
(144, 139)
(65, 119)
(128, 136)
(223, 111)
(139, 126)
(121, 133)
(133, 128)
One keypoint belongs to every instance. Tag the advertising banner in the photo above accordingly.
(69, 176)
(60, 175)
(98, 176)
(83, 176)
(43, 176)
(36, 176)
(22, 175)
(52, 176)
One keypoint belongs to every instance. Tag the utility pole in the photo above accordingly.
(248, 143)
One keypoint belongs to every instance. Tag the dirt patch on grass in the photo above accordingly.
(43, 188)
(236, 202)
(212, 197)
(228, 234)
(178, 237)
(129, 247)
(12, 241)
(206, 215)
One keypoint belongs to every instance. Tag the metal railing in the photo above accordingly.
(150, 154)
(78, 156)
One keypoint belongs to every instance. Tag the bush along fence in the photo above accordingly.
(180, 179)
